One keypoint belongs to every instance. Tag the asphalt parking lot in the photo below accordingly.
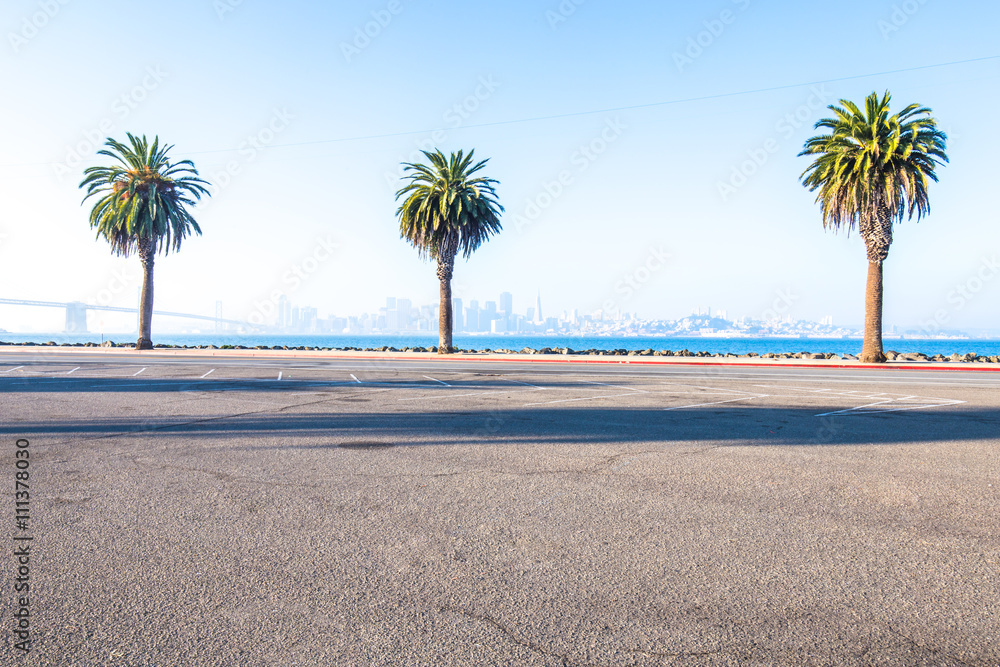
(221, 510)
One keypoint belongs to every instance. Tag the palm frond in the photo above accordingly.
(144, 197)
(871, 162)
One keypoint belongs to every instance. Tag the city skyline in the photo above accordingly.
(607, 201)
(400, 315)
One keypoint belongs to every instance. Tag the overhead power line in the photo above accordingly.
(534, 119)
(607, 110)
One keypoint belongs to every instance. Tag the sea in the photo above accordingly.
(741, 345)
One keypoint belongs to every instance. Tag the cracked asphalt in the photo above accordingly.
(196, 509)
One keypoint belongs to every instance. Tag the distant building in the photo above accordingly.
(489, 314)
(472, 316)
(457, 315)
(506, 304)
(283, 311)
(403, 313)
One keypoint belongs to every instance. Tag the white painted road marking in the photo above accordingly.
(138, 371)
(355, 378)
(279, 376)
(207, 374)
(615, 386)
(11, 370)
(861, 409)
(574, 400)
(435, 379)
(701, 405)
(73, 371)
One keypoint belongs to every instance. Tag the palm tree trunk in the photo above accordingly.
(146, 254)
(446, 267)
(871, 351)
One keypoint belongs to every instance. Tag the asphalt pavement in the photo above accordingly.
(221, 509)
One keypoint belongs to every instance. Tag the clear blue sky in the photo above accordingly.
(331, 115)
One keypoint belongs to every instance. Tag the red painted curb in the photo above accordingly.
(499, 358)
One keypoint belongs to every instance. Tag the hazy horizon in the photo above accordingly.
(651, 142)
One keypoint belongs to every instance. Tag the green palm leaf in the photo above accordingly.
(141, 204)
(447, 210)
(871, 170)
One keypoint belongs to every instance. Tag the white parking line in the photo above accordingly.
(11, 370)
(138, 372)
(73, 371)
(355, 378)
(505, 392)
(701, 405)
(526, 384)
(574, 400)
(207, 374)
(616, 386)
(279, 375)
(860, 409)
(435, 379)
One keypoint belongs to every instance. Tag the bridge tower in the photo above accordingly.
(76, 317)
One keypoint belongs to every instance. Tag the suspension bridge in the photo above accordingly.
(76, 314)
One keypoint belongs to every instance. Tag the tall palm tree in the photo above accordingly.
(142, 208)
(447, 210)
(871, 171)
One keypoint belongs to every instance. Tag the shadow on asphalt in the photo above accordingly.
(747, 425)
(46, 384)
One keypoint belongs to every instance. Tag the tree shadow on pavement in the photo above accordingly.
(751, 425)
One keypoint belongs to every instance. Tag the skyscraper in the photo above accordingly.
(403, 308)
(282, 311)
(457, 316)
(472, 316)
(538, 308)
(506, 304)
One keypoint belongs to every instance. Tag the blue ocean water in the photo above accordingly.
(517, 342)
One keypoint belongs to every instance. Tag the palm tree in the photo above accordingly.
(142, 209)
(872, 170)
(446, 211)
